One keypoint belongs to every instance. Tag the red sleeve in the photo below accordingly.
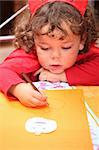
(12, 67)
(87, 72)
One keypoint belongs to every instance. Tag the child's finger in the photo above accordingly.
(43, 94)
(35, 102)
(38, 71)
(39, 96)
(28, 103)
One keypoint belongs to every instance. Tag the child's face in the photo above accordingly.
(57, 55)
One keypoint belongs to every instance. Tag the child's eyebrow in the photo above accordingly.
(42, 43)
(66, 42)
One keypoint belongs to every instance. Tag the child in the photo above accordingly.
(57, 44)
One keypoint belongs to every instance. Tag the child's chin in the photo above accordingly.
(56, 71)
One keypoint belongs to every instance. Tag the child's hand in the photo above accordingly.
(28, 96)
(49, 76)
(97, 43)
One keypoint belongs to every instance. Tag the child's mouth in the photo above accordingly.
(55, 67)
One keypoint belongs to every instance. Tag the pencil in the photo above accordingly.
(27, 79)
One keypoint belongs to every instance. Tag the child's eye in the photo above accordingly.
(66, 48)
(44, 48)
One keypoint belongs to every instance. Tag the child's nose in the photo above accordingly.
(55, 54)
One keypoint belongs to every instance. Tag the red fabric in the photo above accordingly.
(14, 65)
(86, 69)
(80, 5)
(84, 72)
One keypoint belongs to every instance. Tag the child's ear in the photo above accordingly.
(82, 43)
(81, 47)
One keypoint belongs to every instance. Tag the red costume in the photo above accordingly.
(84, 72)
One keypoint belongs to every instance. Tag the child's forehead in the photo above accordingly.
(58, 37)
(56, 32)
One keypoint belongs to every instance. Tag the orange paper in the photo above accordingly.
(66, 107)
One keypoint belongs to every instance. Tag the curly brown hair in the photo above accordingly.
(54, 13)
